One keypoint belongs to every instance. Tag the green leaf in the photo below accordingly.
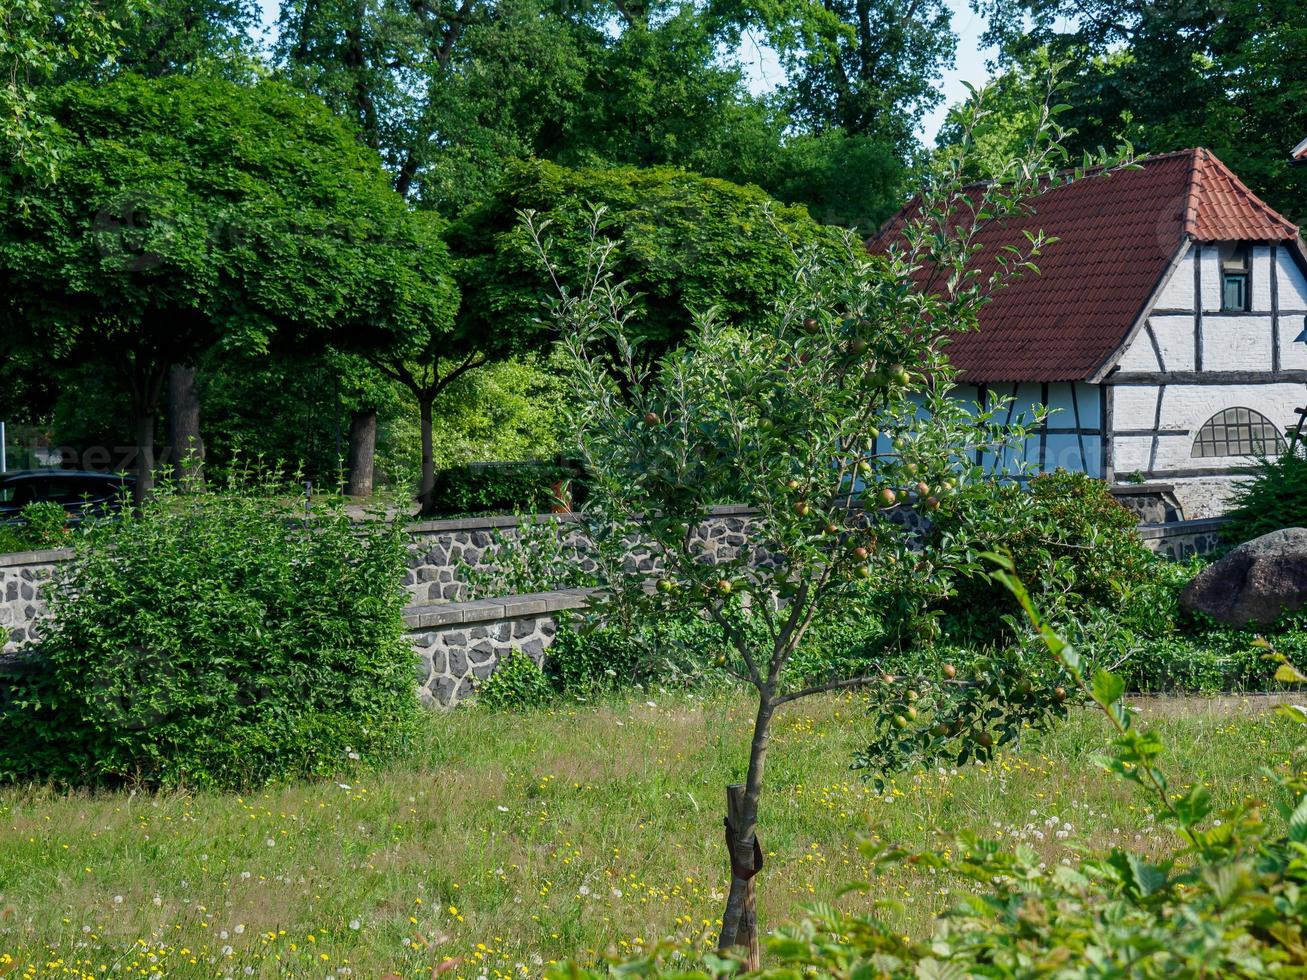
(1107, 687)
(1298, 822)
(932, 969)
(1289, 674)
(1147, 877)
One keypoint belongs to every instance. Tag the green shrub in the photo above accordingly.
(42, 525)
(502, 488)
(1275, 498)
(588, 658)
(218, 640)
(1064, 531)
(518, 683)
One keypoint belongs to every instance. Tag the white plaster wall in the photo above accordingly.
(1130, 454)
(1211, 275)
(1178, 291)
(1292, 284)
(1175, 337)
(1261, 284)
(1139, 356)
(1185, 408)
(1237, 343)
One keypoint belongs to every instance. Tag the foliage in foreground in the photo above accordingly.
(1229, 901)
(226, 639)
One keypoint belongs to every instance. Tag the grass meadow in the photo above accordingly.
(503, 842)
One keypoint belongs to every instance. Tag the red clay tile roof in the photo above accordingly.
(1117, 235)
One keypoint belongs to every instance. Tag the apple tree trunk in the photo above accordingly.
(740, 918)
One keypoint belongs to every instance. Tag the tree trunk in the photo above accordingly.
(144, 455)
(428, 485)
(184, 440)
(739, 920)
(362, 453)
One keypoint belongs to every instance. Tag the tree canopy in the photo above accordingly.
(1230, 75)
(683, 242)
(193, 212)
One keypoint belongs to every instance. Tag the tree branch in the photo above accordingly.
(823, 688)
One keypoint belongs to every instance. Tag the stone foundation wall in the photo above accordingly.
(1207, 496)
(1183, 539)
(1153, 503)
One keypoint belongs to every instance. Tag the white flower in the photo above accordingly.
(502, 809)
(223, 934)
(238, 929)
(651, 704)
(227, 951)
(617, 893)
(583, 890)
(117, 900)
(355, 924)
(270, 842)
(245, 874)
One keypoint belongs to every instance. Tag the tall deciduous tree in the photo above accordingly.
(195, 212)
(42, 40)
(866, 67)
(1230, 75)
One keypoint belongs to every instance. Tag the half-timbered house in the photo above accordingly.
(1166, 330)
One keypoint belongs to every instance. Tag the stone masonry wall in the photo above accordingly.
(1183, 539)
(444, 550)
(461, 643)
(21, 606)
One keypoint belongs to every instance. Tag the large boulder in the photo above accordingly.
(1256, 583)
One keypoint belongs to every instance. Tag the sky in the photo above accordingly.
(763, 72)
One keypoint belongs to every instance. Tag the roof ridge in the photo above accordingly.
(1242, 189)
(1189, 212)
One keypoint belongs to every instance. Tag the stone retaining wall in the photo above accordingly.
(460, 643)
(21, 578)
(443, 551)
(443, 548)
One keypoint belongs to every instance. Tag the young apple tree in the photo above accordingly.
(834, 426)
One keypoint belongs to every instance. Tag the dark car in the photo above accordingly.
(78, 491)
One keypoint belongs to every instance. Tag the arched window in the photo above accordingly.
(1238, 432)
